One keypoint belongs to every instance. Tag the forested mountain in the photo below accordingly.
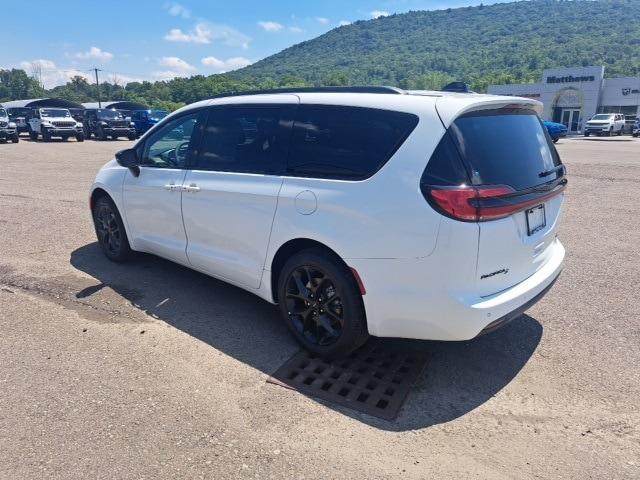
(481, 45)
(502, 43)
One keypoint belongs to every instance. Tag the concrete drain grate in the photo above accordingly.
(375, 379)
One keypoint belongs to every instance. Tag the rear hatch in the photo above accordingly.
(512, 187)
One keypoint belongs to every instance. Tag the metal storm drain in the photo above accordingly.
(375, 379)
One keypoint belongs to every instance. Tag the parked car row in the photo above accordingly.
(98, 123)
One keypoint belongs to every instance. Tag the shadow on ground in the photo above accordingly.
(459, 377)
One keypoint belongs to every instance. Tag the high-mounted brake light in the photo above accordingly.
(483, 203)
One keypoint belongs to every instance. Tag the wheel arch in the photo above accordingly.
(293, 246)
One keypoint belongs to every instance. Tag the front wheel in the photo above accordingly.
(46, 136)
(15, 138)
(110, 231)
(586, 134)
(80, 137)
(132, 136)
(321, 303)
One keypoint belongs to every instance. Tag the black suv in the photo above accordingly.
(105, 123)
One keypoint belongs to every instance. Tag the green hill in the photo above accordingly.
(510, 42)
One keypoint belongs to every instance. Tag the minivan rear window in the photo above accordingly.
(506, 146)
(345, 143)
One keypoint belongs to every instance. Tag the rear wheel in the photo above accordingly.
(110, 231)
(321, 303)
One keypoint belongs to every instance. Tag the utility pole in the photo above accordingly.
(98, 85)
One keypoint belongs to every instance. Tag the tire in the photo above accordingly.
(46, 136)
(620, 132)
(316, 275)
(132, 136)
(112, 237)
(610, 132)
(80, 137)
(586, 134)
(555, 139)
(100, 134)
(15, 138)
(33, 135)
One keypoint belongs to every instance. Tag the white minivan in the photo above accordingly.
(358, 210)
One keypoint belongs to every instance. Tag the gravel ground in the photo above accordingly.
(149, 370)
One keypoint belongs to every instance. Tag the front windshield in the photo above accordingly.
(3, 112)
(54, 112)
(602, 117)
(110, 115)
(157, 114)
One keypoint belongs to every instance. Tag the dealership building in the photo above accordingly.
(573, 95)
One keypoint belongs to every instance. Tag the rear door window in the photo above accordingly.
(345, 143)
(246, 139)
(506, 147)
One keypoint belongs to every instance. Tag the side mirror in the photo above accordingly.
(128, 158)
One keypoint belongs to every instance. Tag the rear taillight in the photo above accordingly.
(484, 203)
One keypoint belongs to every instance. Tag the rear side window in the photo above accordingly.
(345, 143)
(505, 147)
(246, 140)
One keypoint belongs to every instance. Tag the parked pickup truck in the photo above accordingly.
(54, 122)
(605, 124)
(105, 123)
(8, 129)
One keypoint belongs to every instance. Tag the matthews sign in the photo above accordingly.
(571, 79)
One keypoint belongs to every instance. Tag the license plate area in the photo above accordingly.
(536, 219)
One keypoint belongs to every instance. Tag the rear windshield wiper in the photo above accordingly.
(553, 170)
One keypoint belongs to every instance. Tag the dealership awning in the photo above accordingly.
(117, 105)
(43, 103)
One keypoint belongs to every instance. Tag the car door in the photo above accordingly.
(152, 193)
(230, 196)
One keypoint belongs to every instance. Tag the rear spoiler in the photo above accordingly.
(451, 107)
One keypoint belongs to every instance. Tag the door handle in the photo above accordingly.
(193, 188)
(172, 187)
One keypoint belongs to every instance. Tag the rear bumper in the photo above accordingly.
(411, 298)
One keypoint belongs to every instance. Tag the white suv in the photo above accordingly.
(605, 124)
(360, 211)
(54, 122)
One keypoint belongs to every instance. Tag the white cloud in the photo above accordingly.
(322, 20)
(295, 29)
(270, 26)
(50, 74)
(379, 13)
(205, 33)
(94, 53)
(176, 10)
(222, 66)
(176, 63)
(344, 23)
(168, 75)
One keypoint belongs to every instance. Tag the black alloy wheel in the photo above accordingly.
(110, 231)
(322, 304)
(314, 305)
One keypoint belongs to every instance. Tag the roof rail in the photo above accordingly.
(357, 89)
(459, 87)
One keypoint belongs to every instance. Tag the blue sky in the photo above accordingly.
(157, 40)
